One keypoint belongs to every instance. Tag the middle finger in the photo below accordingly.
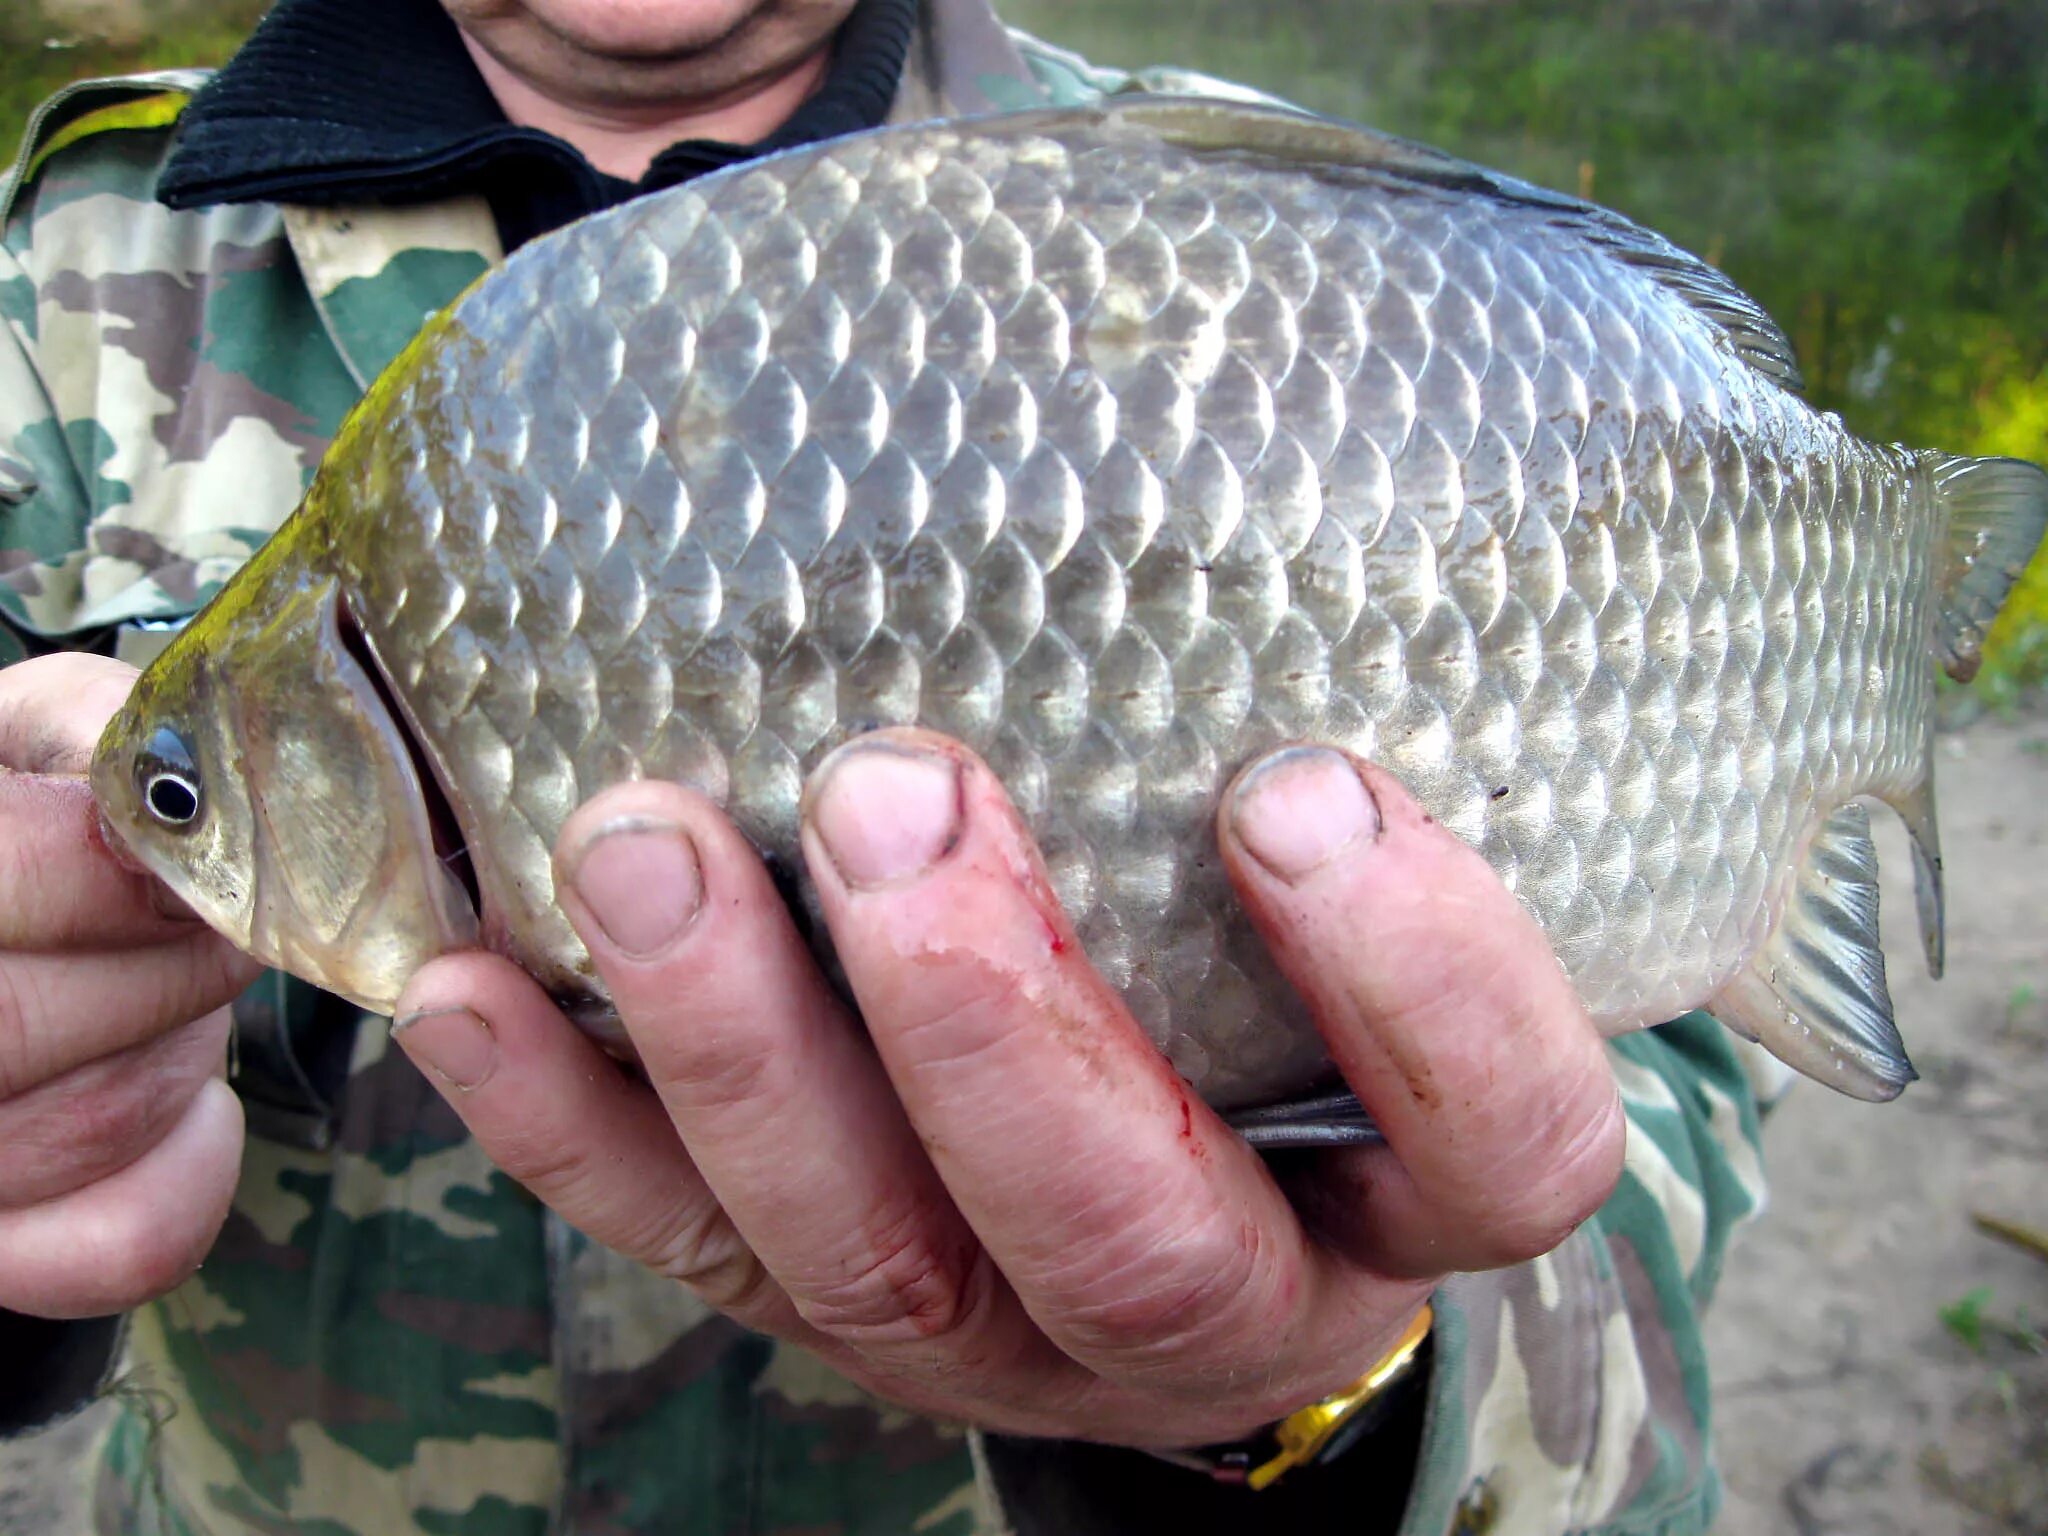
(1142, 1235)
(59, 1011)
(90, 1122)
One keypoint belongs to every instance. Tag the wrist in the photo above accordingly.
(1361, 1483)
(1320, 1432)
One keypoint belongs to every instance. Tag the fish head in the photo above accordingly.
(261, 769)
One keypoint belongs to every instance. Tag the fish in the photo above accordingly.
(1123, 443)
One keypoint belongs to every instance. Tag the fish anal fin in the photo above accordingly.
(1814, 996)
(1996, 511)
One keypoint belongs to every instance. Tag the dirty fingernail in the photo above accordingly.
(885, 813)
(452, 1043)
(1300, 808)
(640, 881)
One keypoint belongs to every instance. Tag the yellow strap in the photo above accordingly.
(1303, 1434)
(158, 111)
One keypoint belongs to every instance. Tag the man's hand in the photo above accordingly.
(119, 1143)
(1007, 1208)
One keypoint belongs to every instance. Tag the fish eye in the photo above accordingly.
(167, 772)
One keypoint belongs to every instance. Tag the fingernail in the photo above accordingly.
(639, 879)
(1300, 808)
(885, 813)
(452, 1043)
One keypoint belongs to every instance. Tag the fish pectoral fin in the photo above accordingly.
(1814, 996)
(1996, 511)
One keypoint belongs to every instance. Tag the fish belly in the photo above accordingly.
(1123, 462)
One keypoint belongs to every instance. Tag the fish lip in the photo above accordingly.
(444, 824)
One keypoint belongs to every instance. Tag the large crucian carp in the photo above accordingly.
(1123, 443)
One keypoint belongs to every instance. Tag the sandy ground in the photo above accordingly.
(1846, 1407)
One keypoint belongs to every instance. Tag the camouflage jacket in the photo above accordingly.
(390, 1337)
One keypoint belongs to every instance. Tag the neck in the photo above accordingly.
(622, 138)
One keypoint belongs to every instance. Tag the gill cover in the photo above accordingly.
(304, 758)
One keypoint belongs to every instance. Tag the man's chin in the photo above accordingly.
(647, 54)
(656, 32)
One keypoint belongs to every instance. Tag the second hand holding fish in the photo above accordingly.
(1008, 1209)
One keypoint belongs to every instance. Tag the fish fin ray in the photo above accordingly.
(1916, 810)
(1332, 1118)
(1241, 128)
(1815, 995)
(1997, 510)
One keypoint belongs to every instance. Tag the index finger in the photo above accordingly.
(61, 886)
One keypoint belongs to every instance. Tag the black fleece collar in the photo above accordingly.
(377, 101)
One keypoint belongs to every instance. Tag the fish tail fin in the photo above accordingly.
(1814, 996)
(1995, 511)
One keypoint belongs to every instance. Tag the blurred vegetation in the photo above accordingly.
(1875, 171)
(2008, 1486)
(45, 44)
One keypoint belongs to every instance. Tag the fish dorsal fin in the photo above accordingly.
(1996, 512)
(1814, 996)
(1245, 129)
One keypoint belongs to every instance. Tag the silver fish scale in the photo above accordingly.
(1123, 461)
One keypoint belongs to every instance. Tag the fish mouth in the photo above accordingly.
(451, 844)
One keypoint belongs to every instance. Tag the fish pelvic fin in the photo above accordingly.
(1814, 996)
(1995, 511)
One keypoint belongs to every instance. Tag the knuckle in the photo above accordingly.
(907, 1285)
(1452, 965)
(704, 1253)
(51, 843)
(1556, 1187)
(107, 1123)
(960, 1021)
(20, 1007)
(689, 1241)
(712, 1067)
(1206, 1290)
(540, 1158)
